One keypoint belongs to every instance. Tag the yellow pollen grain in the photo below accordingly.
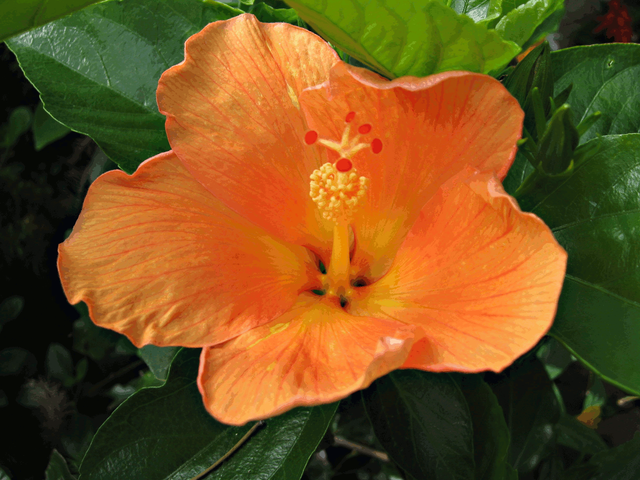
(337, 194)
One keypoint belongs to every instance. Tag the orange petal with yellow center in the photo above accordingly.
(429, 130)
(234, 119)
(156, 257)
(315, 353)
(480, 277)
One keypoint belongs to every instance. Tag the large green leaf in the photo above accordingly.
(423, 422)
(531, 409)
(525, 21)
(594, 213)
(605, 79)
(17, 16)
(440, 426)
(97, 70)
(165, 433)
(407, 37)
(490, 431)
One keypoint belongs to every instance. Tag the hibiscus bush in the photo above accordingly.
(337, 239)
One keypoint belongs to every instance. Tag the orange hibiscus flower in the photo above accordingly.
(286, 160)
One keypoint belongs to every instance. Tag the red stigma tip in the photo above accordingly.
(366, 128)
(343, 165)
(376, 145)
(350, 117)
(310, 137)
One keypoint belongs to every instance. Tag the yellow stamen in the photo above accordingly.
(337, 190)
(337, 194)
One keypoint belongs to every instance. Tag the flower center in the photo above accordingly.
(337, 190)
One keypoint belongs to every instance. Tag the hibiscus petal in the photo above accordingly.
(479, 276)
(315, 353)
(156, 257)
(233, 118)
(429, 129)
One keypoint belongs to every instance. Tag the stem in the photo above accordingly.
(341, 442)
(338, 273)
(230, 452)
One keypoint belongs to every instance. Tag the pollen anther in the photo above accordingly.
(310, 137)
(337, 193)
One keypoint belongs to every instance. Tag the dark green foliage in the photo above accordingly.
(172, 422)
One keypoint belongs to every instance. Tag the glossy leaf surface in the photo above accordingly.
(19, 16)
(523, 22)
(480, 11)
(407, 37)
(595, 215)
(76, 65)
(171, 422)
(605, 79)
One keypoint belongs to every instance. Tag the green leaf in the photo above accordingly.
(423, 422)
(596, 395)
(407, 37)
(531, 409)
(4, 475)
(490, 432)
(59, 364)
(57, 468)
(605, 79)
(17, 361)
(268, 14)
(46, 129)
(91, 340)
(76, 435)
(594, 213)
(82, 367)
(97, 70)
(518, 173)
(574, 434)
(523, 22)
(10, 308)
(19, 16)
(18, 123)
(185, 440)
(158, 359)
(480, 11)
(620, 463)
(554, 356)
